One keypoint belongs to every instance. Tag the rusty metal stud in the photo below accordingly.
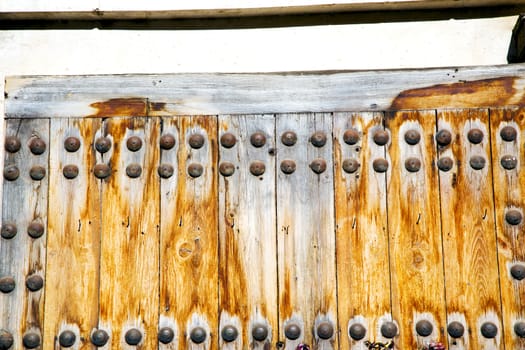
(134, 143)
(70, 171)
(389, 329)
(134, 170)
(6, 339)
(443, 138)
(475, 136)
(165, 170)
(195, 170)
(31, 340)
(519, 329)
(508, 133)
(34, 283)
(35, 229)
(7, 284)
(226, 169)
(509, 162)
(102, 171)
(445, 163)
(67, 339)
(351, 165)
(133, 336)
(196, 141)
(489, 330)
(518, 272)
(455, 329)
(412, 164)
(357, 331)
(99, 337)
(477, 162)
(318, 139)
(412, 137)
(228, 140)
(166, 335)
(229, 333)
(167, 141)
(258, 139)
(9, 230)
(257, 168)
(288, 166)
(260, 332)
(424, 328)
(37, 146)
(513, 217)
(351, 136)
(71, 144)
(292, 331)
(103, 144)
(289, 138)
(380, 165)
(11, 172)
(381, 137)
(198, 335)
(325, 330)
(12, 144)
(318, 166)
(37, 172)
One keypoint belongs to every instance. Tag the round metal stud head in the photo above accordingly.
(12, 144)
(226, 169)
(381, 137)
(489, 330)
(288, 166)
(357, 331)
(134, 170)
(11, 172)
(509, 162)
(519, 329)
(99, 337)
(31, 340)
(134, 143)
(37, 172)
(7, 284)
(289, 138)
(37, 146)
(260, 332)
(325, 330)
(412, 165)
(412, 137)
(228, 140)
(257, 168)
(9, 230)
(195, 170)
(167, 141)
(229, 333)
(513, 217)
(351, 136)
(165, 170)
(35, 229)
(443, 138)
(71, 144)
(102, 171)
(389, 329)
(445, 163)
(475, 136)
(517, 271)
(477, 162)
(196, 141)
(258, 139)
(292, 331)
(133, 336)
(6, 339)
(455, 329)
(508, 133)
(166, 335)
(70, 171)
(424, 328)
(103, 144)
(67, 339)
(318, 139)
(198, 335)
(318, 166)
(380, 165)
(34, 283)
(351, 165)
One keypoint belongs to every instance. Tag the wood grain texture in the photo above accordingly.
(247, 233)
(189, 239)
(416, 263)
(24, 202)
(73, 247)
(129, 267)
(361, 222)
(306, 236)
(509, 191)
(469, 243)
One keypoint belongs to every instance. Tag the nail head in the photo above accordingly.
(67, 339)
(318, 139)
(103, 144)
(12, 144)
(134, 143)
(258, 139)
(380, 165)
(288, 166)
(475, 136)
(289, 138)
(489, 330)
(37, 146)
(228, 140)
(508, 133)
(198, 335)
(133, 336)
(11, 172)
(167, 141)
(7, 284)
(318, 166)
(35, 229)
(71, 144)
(357, 331)
(229, 333)
(31, 340)
(70, 171)
(166, 335)
(195, 170)
(292, 331)
(34, 283)
(9, 230)
(424, 328)
(455, 329)
(412, 137)
(257, 168)
(381, 137)
(351, 136)
(99, 337)
(165, 170)
(196, 141)
(389, 329)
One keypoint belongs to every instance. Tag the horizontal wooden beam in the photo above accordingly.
(184, 94)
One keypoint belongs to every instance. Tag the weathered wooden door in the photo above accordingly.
(143, 222)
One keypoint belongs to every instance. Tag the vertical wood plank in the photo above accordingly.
(469, 244)
(507, 132)
(130, 235)
(416, 265)
(22, 257)
(247, 234)
(189, 240)
(73, 246)
(306, 237)
(361, 222)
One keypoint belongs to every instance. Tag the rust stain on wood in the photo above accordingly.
(120, 107)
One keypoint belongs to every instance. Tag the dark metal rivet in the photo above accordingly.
(258, 139)
(412, 165)
(37, 172)
(228, 140)
(134, 143)
(37, 146)
(289, 138)
(133, 336)
(445, 163)
(99, 337)
(357, 331)
(455, 329)
(166, 335)
(31, 340)
(325, 330)
(229, 333)
(257, 168)
(260, 332)
(9, 230)
(196, 141)
(72, 144)
(6, 339)
(318, 139)
(35, 229)
(351, 165)
(513, 217)
(424, 328)
(12, 144)
(102, 171)
(380, 165)
(34, 283)
(11, 172)
(509, 162)
(475, 136)
(134, 170)
(70, 171)
(518, 271)
(67, 339)
(412, 137)
(195, 170)
(389, 329)
(292, 331)
(198, 335)
(351, 136)
(519, 329)
(318, 166)
(167, 141)
(226, 169)
(7, 284)
(165, 171)
(489, 330)
(288, 166)
(381, 137)
(508, 133)
(443, 138)
(477, 162)
(103, 144)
